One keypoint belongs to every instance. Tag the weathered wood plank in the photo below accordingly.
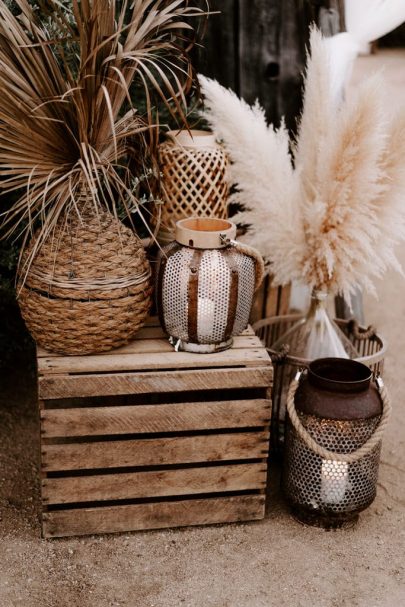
(259, 51)
(284, 303)
(145, 419)
(151, 339)
(87, 521)
(218, 57)
(146, 345)
(110, 363)
(214, 479)
(65, 386)
(155, 451)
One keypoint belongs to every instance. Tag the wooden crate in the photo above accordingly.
(144, 437)
(270, 301)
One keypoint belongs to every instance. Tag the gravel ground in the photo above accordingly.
(275, 562)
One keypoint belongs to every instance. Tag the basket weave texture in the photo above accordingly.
(194, 184)
(88, 288)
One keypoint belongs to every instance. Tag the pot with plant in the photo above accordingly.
(326, 210)
(75, 148)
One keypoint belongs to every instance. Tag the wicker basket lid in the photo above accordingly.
(89, 257)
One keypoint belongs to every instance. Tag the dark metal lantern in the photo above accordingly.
(370, 346)
(336, 417)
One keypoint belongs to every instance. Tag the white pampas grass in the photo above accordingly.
(333, 215)
(267, 185)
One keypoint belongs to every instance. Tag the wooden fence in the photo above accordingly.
(257, 48)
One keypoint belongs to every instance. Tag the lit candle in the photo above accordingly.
(205, 317)
(334, 481)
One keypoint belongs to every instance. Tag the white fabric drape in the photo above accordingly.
(366, 21)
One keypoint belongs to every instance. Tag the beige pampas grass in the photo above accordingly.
(333, 215)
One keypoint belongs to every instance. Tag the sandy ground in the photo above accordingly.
(276, 562)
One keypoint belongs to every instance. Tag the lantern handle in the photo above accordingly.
(250, 252)
(349, 458)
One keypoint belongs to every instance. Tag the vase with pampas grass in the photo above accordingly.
(74, 148)
(330, 212)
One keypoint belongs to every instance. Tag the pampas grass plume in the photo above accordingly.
(332, 215)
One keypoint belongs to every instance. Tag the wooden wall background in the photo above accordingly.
(257, 48)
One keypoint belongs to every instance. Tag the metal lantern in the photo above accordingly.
(336, 418)
(205, 285)
(370, 346)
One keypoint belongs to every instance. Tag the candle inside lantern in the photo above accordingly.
(205, 316)
(334, 481)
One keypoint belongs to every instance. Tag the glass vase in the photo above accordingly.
(316, 335)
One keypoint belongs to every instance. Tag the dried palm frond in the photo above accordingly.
(67, 120)
(334, 215)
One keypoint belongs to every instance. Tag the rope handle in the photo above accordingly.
(280, 356)
(250, 252)
(358, 333)
(349, 458)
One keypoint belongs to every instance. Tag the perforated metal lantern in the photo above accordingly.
(336, 417)
(205, 285)
(371, 347)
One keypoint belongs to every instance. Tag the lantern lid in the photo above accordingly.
(338, 389)
(205, 232)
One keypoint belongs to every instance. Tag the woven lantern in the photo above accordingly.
(205, 285)
(336, 419)
(88, 289)
(194, 179)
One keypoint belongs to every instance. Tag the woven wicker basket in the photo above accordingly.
(194, 179)
(88, 288)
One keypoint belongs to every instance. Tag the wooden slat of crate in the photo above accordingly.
(146, 346)
(146, 419)
(182, 513)
(157, 461)
(86, 385)
(154, 451)
(157, 359)
(270, 301)
(133, 485)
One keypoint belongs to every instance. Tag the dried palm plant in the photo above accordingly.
(331, 213)
(67, 119)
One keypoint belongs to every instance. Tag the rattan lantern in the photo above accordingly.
(194, 179)
(336, 418)
(205, 285)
